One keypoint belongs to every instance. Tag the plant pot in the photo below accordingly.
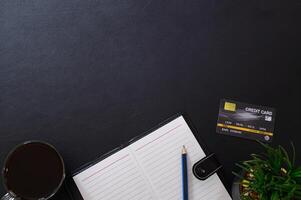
(236, 189)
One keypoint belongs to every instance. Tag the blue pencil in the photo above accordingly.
(184, 174)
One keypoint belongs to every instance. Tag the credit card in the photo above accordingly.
(246, 120)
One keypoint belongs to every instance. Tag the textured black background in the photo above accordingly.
(88, 75)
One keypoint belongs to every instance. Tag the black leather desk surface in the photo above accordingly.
(87, 75)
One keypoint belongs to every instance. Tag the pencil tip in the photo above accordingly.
(184, 151)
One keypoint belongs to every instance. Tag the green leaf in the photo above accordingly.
(275, 196)
(243, 167)
(238, 175)
(286, 158)
(294, 153)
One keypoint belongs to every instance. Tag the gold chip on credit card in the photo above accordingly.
(230, 106)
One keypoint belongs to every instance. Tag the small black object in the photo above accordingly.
(206, 167)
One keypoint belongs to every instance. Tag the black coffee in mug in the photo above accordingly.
(33, 170)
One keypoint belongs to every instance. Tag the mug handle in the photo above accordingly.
(9, 197)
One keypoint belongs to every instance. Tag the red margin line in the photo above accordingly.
(104, 168)
(158, 137)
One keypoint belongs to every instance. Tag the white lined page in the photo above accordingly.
(116, 177)
(159, 155)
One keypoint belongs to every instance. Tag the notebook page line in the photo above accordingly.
(154, 144)
(172, 159)
(159, 137)
(163, 144)
(119, 183)
(167, 132)
(176, 135)
(110, 174)
(104, 185)
(165, 171)
(151, 187)
(119, 188)
(161, 150)
(88, 177)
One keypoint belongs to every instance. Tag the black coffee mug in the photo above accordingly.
(33, 170)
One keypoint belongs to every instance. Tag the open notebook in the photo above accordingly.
(150, 169)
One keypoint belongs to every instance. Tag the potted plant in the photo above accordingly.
(268, 176)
